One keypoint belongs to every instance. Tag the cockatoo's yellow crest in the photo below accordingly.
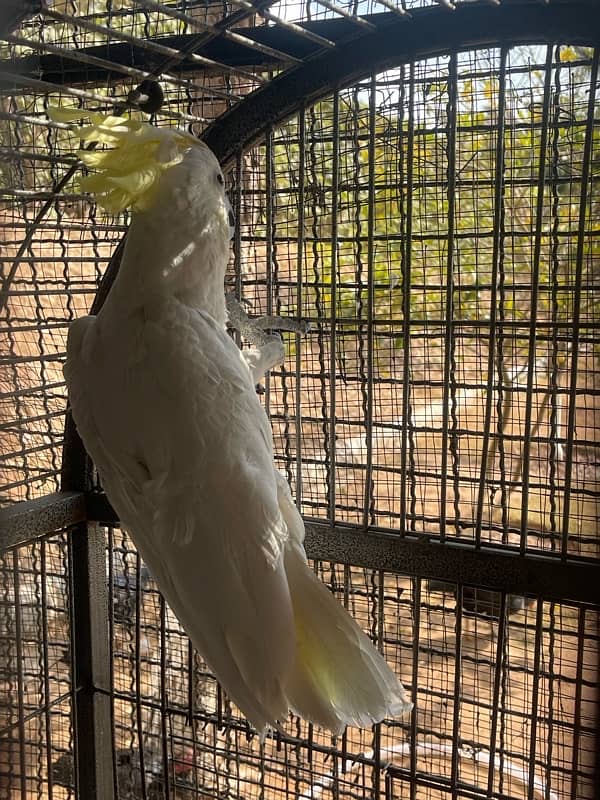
(138, 153)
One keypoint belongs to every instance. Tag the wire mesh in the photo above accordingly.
(35, 675)
(504, 688)
(437, 225)
(426, 223)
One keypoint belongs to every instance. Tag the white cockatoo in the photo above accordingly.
(165, 403)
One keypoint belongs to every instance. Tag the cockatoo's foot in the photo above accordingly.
(255, 330)
(268, 349)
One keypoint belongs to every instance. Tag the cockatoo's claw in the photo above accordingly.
(255, 330)
(274, 323)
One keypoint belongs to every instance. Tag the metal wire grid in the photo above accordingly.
(505, 691)
(441, 261)
(35, 674)
(55, 246)
(503, 710)
(527, 702)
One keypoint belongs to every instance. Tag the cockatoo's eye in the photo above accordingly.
(220, 179)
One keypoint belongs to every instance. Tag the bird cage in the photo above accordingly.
(416, 185)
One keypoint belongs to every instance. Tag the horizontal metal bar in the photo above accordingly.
(532, 574)
(503, 571)
(22, 522)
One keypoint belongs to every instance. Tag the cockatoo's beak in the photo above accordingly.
(126, 173)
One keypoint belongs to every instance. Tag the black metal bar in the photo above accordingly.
(270, 281)
(498, 670)
(492, 567)
(22, 522)
(91, 665)
(535, 691)
(299, 292)
(525, 457)
(457, 693)
(414, 718)
(333, 339)
(496, 568)
(368, 401)
(448, 387)
(577, 702)
(577, 278)
(20, 678)
(405, 181)
(488, 448)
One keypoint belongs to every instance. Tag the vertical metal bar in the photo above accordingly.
(414, 727)
(269, 243)
(163, 695)
(577, 702)
(537, 657)
(554, 347)
(550, 650)
(456, 693)
(487, 452)
(378, 579)
(91, 672)
(583, 201)
(498, 669)
(331, 500)
(318, 282)
(20, 677)
(449, 301)
(111, 647)
(406, 208)
(89, 638)
(46, 665)
(535, 276)
(358, 274)
(237, 234)
(407, 369)
(283, 380)
(369, 499)
(300, 294)
(138, 680)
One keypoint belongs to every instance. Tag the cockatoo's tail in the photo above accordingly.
(126, 174)
(165, 403)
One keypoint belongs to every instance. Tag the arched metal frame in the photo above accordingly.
(429, 32)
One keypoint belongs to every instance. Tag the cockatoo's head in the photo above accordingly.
(132, 169)
(179, 240)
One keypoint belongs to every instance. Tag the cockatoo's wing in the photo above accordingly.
(85, 371)
(167, 408)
